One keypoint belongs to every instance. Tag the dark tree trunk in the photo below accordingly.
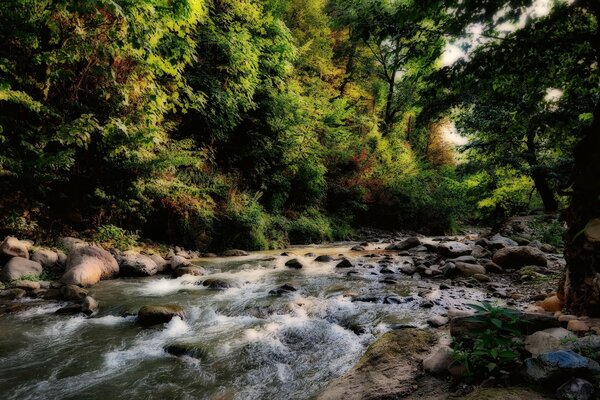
(580, 287)
(539, 177)
(388, 117)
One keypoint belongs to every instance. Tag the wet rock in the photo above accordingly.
(408, 268)
(135, 264)
(389, 281)
(27, 285)
(73, 292)
(47, 258)
(18, 267)
(437, 321)
(159, 314)
(426, 304)
(87, 265)
(406, 244)
(345, 263)
(453, 249)
(176, 262)
(13, 294)
(71, 243)
(235, 253)
(324, 258)
(287, 254)
(576, 389)
(357, 248)
(438, 363)
(499, 242)
(281, 290)
(13, 247)
(189, 270)
(209, 255)
(387, 370)
(52, 294)
(70, 309)
(493, 268)
(89, 305)
(542, 342)
(480, 252)
(189, 350)
(445, 286)
(216, 284)
(294, 263)
(517, 257)
(470, 269)
(464, 259)
(482, 278)
(558, 366)
(386, 270)
(161, 263)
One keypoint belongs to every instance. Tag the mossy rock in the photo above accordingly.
(510, 393)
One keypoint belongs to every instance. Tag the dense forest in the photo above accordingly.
(254, 124)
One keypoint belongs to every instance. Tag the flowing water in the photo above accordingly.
(253, 344)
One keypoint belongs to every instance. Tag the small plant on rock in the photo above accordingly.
(113, 236)
(492, 349)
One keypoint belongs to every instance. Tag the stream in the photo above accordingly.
(253, 344)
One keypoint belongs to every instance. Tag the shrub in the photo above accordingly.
(310, 227)
(113, 236)
(550, 232)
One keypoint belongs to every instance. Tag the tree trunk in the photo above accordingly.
(580, 287)
(388, 117)
(539, 178)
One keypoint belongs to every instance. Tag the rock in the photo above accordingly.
(176, 262)
(493, 268)
(71, 243)
(482, 278)
(294, 263)
(426, 304)
(499, 242)
(161, 263)
(576, 325)
(464, 259)
(87, 265)
(209, 255)
(345, 263)
(324, 258)
(189, 270)
(70, 309)
(558, 366)
(551, 304)
(13, 247)
(357, 248)
(480, 252)
(46, 257)
(469, 269)
(387, 370)
(235, 253)
(283, 289)
(386, 270)
(559, 333)
(27, 285)
(542, 342)
(73, 292)
(216, 284)
(406, 244)
(89, 305)
(135, 264)
(463, 326)
(592, 231)
(576, 389)
(189, 350)
(438, 363)
(517, 257)
(438, 321)
(62, 258)
(501, 393)
(13, 294)
(18, 267)
(453, 249)
(159, 314)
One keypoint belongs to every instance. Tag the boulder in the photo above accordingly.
(453, 249)
(517, 257)
(27, 285)
(283, 289)
(493, 268)
(235, 253)
(542, 342)
(12, 294)
(135, 264)
(18, 267)
(470, 269)
(324, 258)
(576, 325)
(216, 284)
(558, 366)
(345, 263)
(161, 263)
(87, 265)
(176, 262)
(89, 305)
(592, 231)
(46, 257)
(294, 263)
(437, 321)
(159, 314)
(406, 244)
(189, 270)
(189, 350)
(357, 248)
(13, 247)
(499, 242)
(551, 304)
(71, 243)
(438, 363)
(576, 389)
(73, 292)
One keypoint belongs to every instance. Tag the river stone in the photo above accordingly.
(189, 270)
(159, 314)
(89, 305)
(324, 258)
(592, 231)
(558, 366)
(87, 265)
(517, 257)
(70, 309)
(18, 267)
(176, 262)
(387, 370)
(406, 244)
(294, 263)
(542, 342)
(135, 264)
(438, 362)
(576, 389)
(73, 292)
(493, 268)
(46, 257)
(13, 247)
(345, 263)
(235, 253)
(464, 259)
(499, 242)
(185, 349)
(437, 321)
(357, 248)
(283, 289)
(71, 243)
(217, 284)
(26, 285)
(13, 294)
(469, 269)
(453, 249)
(161, 263)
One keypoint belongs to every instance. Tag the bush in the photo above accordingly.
(550, 232)
(113, 236)
(310, 227)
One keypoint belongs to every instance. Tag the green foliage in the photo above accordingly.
(550, 232)
(493, 349)
(310, 227)
(113, 236)
(32, 278)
